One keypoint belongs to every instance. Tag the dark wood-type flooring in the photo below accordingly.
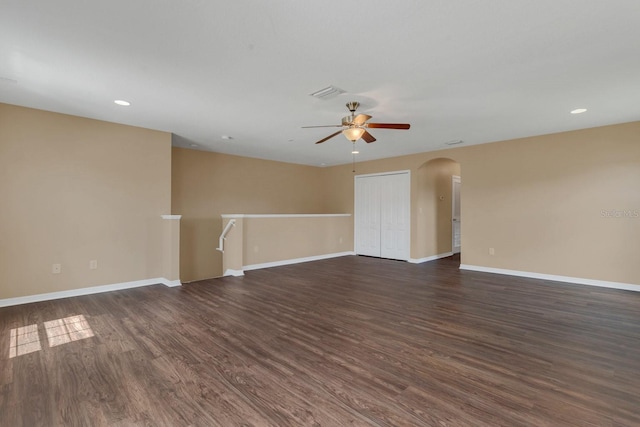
(348, 341)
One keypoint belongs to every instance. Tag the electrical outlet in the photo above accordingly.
(492, 251)
(56, 268)
(93, 264)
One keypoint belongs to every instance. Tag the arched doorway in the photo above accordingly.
(437, 222)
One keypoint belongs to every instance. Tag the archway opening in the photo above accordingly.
(439, 224)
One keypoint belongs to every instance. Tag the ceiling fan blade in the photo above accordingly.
(329, 137)
(367, 137)
(323, 126)
(360, 119)
(388, 125)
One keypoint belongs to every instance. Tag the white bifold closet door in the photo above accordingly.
(382, 216)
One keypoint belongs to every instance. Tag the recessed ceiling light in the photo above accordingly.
(121, 102)
(355, 152)
(226, 137)
(454, 142)
(578, 111)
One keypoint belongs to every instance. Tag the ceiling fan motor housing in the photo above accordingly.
(348, 120)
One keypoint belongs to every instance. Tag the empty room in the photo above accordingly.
(288, 213)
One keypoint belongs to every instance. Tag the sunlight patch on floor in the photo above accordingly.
(62, 331)
(26, 339)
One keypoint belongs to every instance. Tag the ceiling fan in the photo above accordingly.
(355, 127)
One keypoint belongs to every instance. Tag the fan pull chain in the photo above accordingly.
(353, 154)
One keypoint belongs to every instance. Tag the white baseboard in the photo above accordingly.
(87, 291)
(295, 261)
(171, 283)
(430, 258)
(565, 279)
(230, 272)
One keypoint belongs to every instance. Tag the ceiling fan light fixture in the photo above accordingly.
(355, 126)
(353, 133)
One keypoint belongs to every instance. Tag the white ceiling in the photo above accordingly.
(479, 71)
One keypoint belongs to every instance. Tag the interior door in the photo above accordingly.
(382, 215)
(455, 214)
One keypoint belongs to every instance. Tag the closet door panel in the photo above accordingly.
(395, 216)
(367, 216)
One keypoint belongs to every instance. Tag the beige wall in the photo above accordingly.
(206, 185)
(277, 239)
(255, 240)
(171, 248)
(536, 201)
(75, 190)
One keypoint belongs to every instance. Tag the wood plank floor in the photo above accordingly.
(351, 341)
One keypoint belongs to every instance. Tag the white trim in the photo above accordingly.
(223, 236)
(280, 215)
(454, 179)
(384, 173)
(231, 272)
(171, 216)
(296, 260)
(87, 291)
(171, 283)
(430, 258)
(565, 279)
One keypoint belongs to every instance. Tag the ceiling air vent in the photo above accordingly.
(327, 93)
